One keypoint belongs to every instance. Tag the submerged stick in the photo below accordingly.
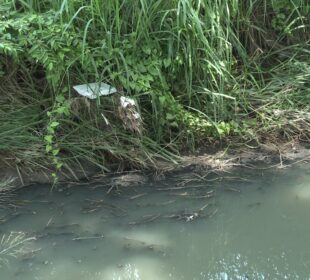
(137, 196)
(147, 219)
(87, 237)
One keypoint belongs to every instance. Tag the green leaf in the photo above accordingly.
(167, 62)
(54, 124)
(174, 124)
(220, 131)
(51, 130)
(149, 78)
(60, 98)
(55, 152)
(48, 148)
(162, 99)
(50, 66)
(153, 70)
(67, 112)
(60, 110)
(147, 50)
(48, 139)
(141, 68)
(170, 117)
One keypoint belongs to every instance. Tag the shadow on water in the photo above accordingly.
(252, 224)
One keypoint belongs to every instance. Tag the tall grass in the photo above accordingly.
(196, 68)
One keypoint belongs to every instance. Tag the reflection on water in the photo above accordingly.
(175, 228)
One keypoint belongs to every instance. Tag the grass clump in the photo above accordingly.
(14, 245)
(6, 192)
(197, 70)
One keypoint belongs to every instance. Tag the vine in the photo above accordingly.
(60, 108)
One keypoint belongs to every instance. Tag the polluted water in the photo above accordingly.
(246, 224)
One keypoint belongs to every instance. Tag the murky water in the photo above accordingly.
(253, 224)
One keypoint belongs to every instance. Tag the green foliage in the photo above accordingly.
(39, 39)
(197, 69)
(61, 108)
(289, 15)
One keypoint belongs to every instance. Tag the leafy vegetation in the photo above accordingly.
(197, 70)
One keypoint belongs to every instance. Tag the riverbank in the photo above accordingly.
(216, 159)
(182, 76)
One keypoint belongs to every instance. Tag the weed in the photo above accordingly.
(196, 70)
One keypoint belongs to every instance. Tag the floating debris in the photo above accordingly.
(184, 216)
(208, 194)
(231, 189)
(97, 205)
(96, 236)
(156, 204)
(129, 179)
(94, 90)
(126, 180)
(137, 196)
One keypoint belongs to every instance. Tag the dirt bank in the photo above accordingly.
(280, 155)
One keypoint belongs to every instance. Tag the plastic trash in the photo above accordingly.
(93, 90)
(128, 113)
